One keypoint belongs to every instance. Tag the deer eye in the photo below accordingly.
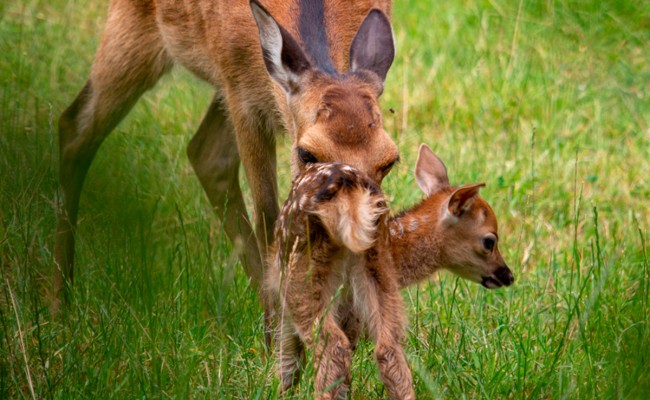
(488, 243)
(306, 157)
(386, 168)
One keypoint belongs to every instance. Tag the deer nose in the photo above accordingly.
(504, 275)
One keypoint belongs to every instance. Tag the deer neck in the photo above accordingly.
(416, 244)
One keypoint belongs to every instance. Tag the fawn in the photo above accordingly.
(315, 70)
(339, 261)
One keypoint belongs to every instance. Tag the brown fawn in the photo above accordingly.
(339, 261)
(315, 70)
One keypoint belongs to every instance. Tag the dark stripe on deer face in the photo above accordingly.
(311, 25)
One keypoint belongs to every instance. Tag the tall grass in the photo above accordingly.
(547, 102)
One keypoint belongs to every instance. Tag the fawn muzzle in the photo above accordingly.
(501, 277)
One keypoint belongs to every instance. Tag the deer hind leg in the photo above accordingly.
(331, 348)
(309, 295)
(291, 355)
(332, 355)
(351, 325)
(130, 60)
(332, 358)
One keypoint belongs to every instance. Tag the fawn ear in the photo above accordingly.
(373, 47)
(462, 198)
(283, 57)
(430, 171)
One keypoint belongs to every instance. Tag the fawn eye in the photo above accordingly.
(488, 243)
(306, 157)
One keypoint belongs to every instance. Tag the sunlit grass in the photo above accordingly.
(545, 102)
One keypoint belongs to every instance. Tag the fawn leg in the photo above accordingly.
(351, 325)
(389, 353)
(394, 370)
(308, 297)
(291, 354)
(332, 358)
(130, 60)
(385, 320)
(331, 349)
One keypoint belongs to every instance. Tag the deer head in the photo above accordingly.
(336, 117)
(460, 223)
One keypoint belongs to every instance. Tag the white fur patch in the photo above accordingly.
(351, 219)
(358, 230)
(413, 225)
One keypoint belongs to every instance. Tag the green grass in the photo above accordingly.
(546, 102)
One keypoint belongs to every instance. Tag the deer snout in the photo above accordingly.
(501, 277)
(504, 274)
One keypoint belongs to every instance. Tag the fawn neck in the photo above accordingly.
(416, 242)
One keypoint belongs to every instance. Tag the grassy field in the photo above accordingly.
(547, 102)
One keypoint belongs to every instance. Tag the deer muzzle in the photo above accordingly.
(501, 277)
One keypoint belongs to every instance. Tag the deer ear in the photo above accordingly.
(463, 198)
(373, 47)
(283, 57)
(430, 171)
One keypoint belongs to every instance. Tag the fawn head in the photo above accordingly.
(466, 225)
(336, 117)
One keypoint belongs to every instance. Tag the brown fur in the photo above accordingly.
(325, 294)
(337, 117)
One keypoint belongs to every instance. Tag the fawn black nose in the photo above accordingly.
(504, 275)
(501, 277)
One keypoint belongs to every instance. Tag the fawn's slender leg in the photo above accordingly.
(316, 324)
(389, 351)
(130, 60)
(386, 319)
(215, 159)
(332, 358)
(387, 331)
(291, 354)
(352, 326)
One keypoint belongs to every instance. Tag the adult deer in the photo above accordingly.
(318, 76)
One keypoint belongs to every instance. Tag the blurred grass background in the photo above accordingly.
(547, 102)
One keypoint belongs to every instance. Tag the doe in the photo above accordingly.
(315, 70)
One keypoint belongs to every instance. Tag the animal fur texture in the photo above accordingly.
(311, 68)
(339, 261)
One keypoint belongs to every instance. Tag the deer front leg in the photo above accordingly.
(215, 159)
(379, 287)
(394, 370)
(389, 352)
(256, 148)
